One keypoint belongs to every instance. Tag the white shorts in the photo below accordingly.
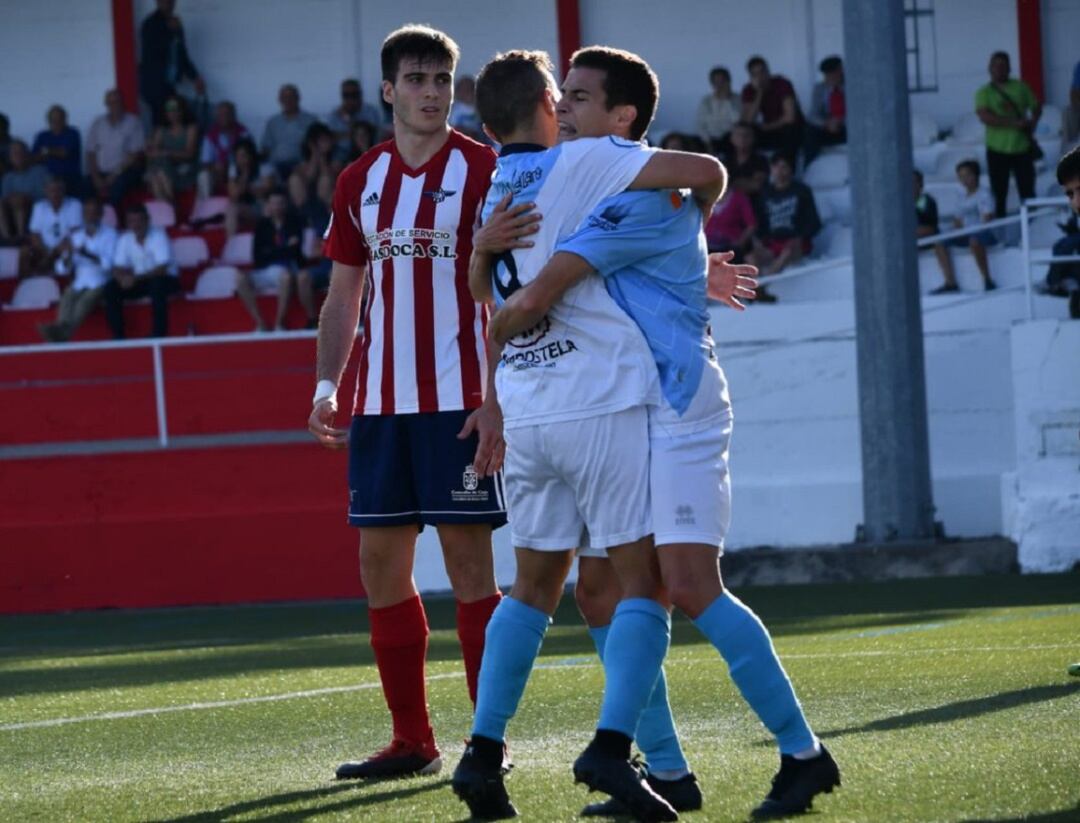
(266, 279)
(579, 482)
(691, 486)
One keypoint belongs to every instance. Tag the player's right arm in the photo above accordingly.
(337, 329)
(506, 228)
(703, 174)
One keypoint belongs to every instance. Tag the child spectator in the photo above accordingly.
(249, 183)
(717, 112)
(52, 221)
(217, 148)
(277, 254)
(59, 147)
(115, 151)
(90, 250)
(22, 185)
(827, 118)
(284, 134)
(172, 153)
(747, 167)
(732, 224)
(976, 207)
(769, 102)
(787, 221)
(926, 225)
(143, 266)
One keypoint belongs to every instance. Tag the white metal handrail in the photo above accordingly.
(1025, 245)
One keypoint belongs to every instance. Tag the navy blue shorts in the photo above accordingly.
(411, 468)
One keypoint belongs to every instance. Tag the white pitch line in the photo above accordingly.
(273, 698)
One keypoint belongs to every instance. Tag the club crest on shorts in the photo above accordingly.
(470, 491)
(469, 479)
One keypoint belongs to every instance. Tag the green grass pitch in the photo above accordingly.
(942, 700)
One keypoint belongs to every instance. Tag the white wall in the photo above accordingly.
(1061, 47)
(54, 51)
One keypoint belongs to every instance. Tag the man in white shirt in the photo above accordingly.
(89, 252)
(52, 220)
(114, 150)
(718, 112)
(143, 266)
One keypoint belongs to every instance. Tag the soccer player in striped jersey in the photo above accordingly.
(573, 390)
(402, 222)
(649, 249)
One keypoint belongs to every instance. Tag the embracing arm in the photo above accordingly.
(527, 306)
(702, 173)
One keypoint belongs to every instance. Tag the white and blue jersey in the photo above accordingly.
(650, 250)
(586, 357)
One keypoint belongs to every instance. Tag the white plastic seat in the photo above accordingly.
(968, 129)
(35, 293)
(162, 214)
(924, 129)
(216, 283)
(1049, 122)
(208, 207)
(842, 243)
(190, 252)
(238, 251)
(827, 170)
(948, 159)
(836, 201)
(9, 263)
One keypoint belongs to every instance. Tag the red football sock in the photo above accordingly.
(472, 620)
(399, 636)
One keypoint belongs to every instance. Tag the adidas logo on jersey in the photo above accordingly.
(372, 200)
(439, 194)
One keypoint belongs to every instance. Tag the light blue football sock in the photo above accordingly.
(656, 735)
(637, 641)
(511, 645)
(745, 645)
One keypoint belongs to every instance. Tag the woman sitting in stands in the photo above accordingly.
(249, 184)
(173, 153)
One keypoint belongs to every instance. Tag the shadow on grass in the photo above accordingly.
(1062, 816)
(354, 798)
(960, 710)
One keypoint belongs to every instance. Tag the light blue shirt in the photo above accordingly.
(650, 249)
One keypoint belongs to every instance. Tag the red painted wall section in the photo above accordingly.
(1029, 25)
(175, 527)
(127, 77)
(568, 21)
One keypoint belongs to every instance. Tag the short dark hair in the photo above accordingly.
(756, 60)
(1068, 167)
(509, 87)
(628, 81)
(1001, 55)
(970, 164)
(782, 157)
(721, 70)
(918, 175)
(830, 64)
(423, 43)
(137, 208)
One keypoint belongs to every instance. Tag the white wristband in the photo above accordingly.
(324, 389)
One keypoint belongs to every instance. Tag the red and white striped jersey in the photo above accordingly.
(423, 344)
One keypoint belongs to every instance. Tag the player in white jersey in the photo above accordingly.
(573, 391)
(649, 248)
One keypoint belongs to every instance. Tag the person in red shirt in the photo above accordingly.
(769, 102)
(400, 235)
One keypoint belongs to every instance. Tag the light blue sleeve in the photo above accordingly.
(621, 231)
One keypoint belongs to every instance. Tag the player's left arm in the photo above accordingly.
(487, 421)
(528, 305)
(703, 174)
(505, 229)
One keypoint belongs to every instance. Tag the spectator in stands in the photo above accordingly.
(143, 266)
(976, 208)
(91, 249)
(172, 154)
(217, 149)
(22, 185)
(115, 151)
(787, 221)
(5, 142)
(52, 221)
(732, 224)
(463, 116)
(59, 147)
(1063, 279)
(718, 112)
(1010, 112)
(363, 138)
(769, 102)
(311, 185)
(1070, 115)
(747, 167)
(276, 251)
(827, 118)
(165, 62)
(284, 135)
(249, 183)
(926, 225)
(352, 110)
